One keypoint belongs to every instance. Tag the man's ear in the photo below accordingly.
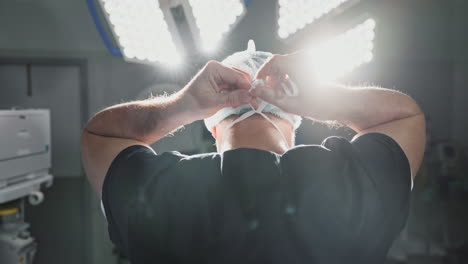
(213, 132)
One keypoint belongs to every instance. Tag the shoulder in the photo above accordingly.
(373, 166)
(140, 162)
(369, 147)
(140, 178)
(141, 155)
(375, 155)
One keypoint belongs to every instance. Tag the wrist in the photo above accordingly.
(324, 103)
(183, 107)
(195, 105)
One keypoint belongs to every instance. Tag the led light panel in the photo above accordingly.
(214, 18)
(296, 14)
(140, 30)
(342, 54)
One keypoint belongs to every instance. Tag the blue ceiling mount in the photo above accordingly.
(115, 51)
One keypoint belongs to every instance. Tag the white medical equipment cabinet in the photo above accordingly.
(25, 160)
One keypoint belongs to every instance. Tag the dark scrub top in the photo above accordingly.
(339, 202)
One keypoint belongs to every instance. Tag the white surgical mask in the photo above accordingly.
(260, 108)
(250, 61)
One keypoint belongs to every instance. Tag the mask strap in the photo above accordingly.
(241, 118)
(277, 128)
(259, 110)
(253, 111)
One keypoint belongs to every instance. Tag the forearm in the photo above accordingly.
(363, 108)
(146, 121)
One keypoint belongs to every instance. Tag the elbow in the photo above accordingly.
(84, 149)
(84, 145)
(98, 125)
(411, 108)
(90, 126)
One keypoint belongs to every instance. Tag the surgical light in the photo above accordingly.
(141, 31)
(341, 54)
(296, 14)
(214, 18)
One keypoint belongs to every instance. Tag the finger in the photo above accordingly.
(244, 73)
(254, 102)
(222, 87)
(269, 94)
(225, 75)
(274, 81)
(272, 67)
(236, 98)
(280, 65)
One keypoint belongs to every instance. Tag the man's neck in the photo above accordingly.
(256, 132)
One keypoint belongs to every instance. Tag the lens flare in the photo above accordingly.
(296, 14)
(214, 19)
(340, 55)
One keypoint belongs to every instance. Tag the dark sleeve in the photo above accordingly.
(128, 173)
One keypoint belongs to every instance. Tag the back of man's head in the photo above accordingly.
(269, 117)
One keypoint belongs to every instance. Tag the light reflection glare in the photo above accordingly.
(296, 14)
(141, 30)
(342, 54)
(214, 18)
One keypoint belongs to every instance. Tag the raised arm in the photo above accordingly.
(370, 110)
(120, 126)
(364, 109)
(145, 122)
